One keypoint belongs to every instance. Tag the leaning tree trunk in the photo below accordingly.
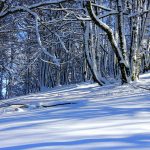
(91, 59)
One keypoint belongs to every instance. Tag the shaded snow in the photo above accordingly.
(112, 117)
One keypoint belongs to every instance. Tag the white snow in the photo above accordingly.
(112, 117)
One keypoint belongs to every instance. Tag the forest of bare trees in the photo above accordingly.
(47, 43)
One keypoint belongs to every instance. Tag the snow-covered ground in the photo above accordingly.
(112, 117)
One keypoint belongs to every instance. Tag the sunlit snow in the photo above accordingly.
(112, 117)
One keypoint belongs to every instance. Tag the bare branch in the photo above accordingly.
(102, 7)
(108, 14)
(20, 8)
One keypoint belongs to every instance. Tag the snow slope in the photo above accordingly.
(112, 117)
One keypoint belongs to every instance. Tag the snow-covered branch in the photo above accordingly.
(40, 4)
(108, 14)
(37, 19)
(105, 27)
(62, 43)
(102, 7)
(48, 2)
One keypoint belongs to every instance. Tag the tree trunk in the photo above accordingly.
(122, 62)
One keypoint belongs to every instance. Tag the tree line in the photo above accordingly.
(60, 42)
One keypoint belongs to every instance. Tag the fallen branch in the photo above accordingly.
(58, 104)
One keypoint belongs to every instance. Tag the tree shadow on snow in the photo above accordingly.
(136, 141)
